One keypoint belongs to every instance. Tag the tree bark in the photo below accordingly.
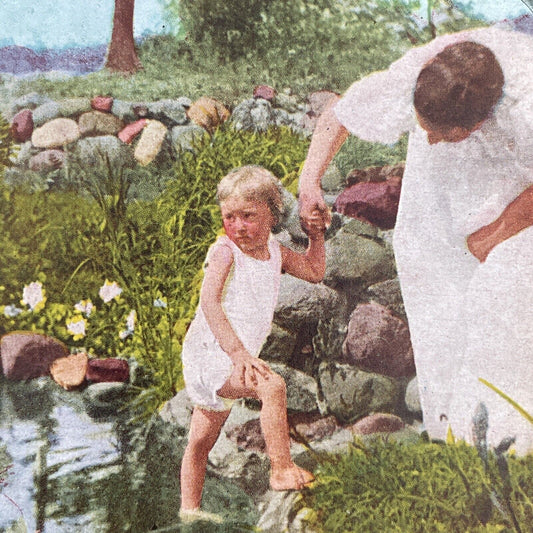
(121, 54)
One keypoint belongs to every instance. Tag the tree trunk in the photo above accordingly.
(121, 54)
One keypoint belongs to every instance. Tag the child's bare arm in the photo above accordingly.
(220, 262)
(517, 216)
(310, 266)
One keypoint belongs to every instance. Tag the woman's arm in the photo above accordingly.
(517, 216)
(217, 271)
(328, 137)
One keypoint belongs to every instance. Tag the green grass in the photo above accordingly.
(416, 488)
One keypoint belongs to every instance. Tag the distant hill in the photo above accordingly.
(21, 60)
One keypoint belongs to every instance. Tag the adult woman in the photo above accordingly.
(463, 238)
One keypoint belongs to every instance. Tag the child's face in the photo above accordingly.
(248, 224)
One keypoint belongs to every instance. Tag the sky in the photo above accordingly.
(63, 23)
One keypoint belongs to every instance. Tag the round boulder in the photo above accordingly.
(56, 133)
(377, 341)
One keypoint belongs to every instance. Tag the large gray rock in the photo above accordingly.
(333, 180)
(301, 389)
(412, 398)
(257, 114)
(93, 151)
(94, 123)
(127, 111)
(29, 100)
(301, 302)
(377, 341)
(277, 512)
(357, 258)
(73, 107)
(27, 355)
(279, 345)
(104, 399)
(170, 112)
(388, 293)
(178, 410)
(46, 112)
(350, 393)
(25, 152)
(184, 138)
(56, 133)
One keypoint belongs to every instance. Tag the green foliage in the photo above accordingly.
(6, 144)
(422, 487)
(356, 153)
(152, 245)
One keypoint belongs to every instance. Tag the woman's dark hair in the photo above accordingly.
(459, 87)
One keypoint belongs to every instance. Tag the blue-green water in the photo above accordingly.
(72, 470)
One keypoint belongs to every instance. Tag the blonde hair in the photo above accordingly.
(253, 183)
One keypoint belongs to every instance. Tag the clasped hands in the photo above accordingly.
(248, 368)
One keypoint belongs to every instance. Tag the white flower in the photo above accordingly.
(76, 327)
(159, 302)
(130, 320)
(109, 290)
(33, 295)
(130, 325)
(11, 311)
(84, 306)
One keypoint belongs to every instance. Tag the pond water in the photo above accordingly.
(66, 468)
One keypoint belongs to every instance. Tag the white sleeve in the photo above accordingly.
(379, 108)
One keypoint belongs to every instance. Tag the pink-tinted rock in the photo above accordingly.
(379, 342)
(248, 436)
(265, 92)
(128, 134)
(69, 372)
(47, 160)
(28, 355)
(22, 126)
(106, 370)
(312, 426)
(102, 103)
(377, 423)
(374, 202)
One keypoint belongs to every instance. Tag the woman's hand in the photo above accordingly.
(312, 206)
(315, 225)
(247, 368)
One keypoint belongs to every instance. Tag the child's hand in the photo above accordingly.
(248, 368)
(316, 223)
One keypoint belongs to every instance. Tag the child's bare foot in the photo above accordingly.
(291, 478)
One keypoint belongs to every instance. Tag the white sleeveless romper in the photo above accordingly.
(249, 299)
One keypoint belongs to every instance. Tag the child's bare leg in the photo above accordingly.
(272, 393)
(204, 432)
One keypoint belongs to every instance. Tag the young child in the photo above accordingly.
(237, 301)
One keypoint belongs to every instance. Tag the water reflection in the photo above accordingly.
(74, 473)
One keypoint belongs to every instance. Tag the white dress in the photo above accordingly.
(249, 299)
(467, 319)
